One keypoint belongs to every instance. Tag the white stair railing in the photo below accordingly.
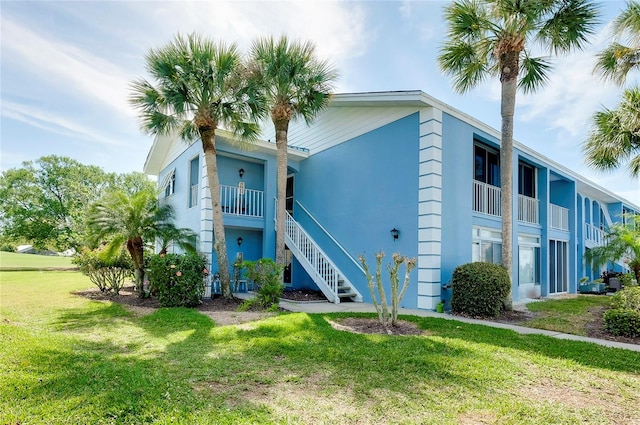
(594, 234)
(317, 264)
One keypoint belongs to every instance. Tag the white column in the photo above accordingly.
(430, 208)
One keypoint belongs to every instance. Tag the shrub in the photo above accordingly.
(107, 273)
(7, 247)
(622, 322)
(628, 280)
(385, 317)
(177, 279)
(628, 298)
(479, 289)
(266, 274)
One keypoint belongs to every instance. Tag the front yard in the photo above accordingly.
(67, 359)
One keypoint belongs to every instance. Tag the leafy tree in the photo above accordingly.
(198, 86)
(294, 84)
(44, 201)
(617, 60)
(121, 219)
(494, 38)
(615, 135)
(622, 244)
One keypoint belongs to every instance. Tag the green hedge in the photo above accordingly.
(479, 289)
(177, 279)
(622, 322)
(628, 298)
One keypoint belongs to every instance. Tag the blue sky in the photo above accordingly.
(66, 67)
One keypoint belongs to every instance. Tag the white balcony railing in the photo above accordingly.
(528, 209)
(240, 201)
(486, 199)
(559, 217)
(593, 234)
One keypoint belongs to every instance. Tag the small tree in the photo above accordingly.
(388, 318)
(266, 275)
(106, 272)
(622, 243)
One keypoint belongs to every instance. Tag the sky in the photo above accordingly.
(66, 67)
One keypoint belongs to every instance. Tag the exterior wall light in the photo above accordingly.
(395, 233)
(239, 240)
(241, 172)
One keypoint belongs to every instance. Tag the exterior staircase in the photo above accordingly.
(326, 275)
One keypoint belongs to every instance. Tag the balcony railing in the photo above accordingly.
(593, 234)
(528, 209)
(240, 201)
(559, 217)
(486, 199)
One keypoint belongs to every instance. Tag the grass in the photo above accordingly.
(66, 359)
(569, 315)
(10, 261)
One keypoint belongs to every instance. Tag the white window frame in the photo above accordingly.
(487, 235)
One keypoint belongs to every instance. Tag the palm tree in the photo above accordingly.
(198, 88)
(494, 38)
(615, 136)
(295, 84)
(622, 244)
(183, 237)
(617, 60)
(130, 220)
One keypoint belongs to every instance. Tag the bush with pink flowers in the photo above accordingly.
(178, 280)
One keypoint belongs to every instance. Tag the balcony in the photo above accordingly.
(594, 236)
(558, 217)
(240, 201)
(528, 209)
(486, 200)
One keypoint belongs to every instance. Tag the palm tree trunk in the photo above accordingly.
(136, 251)
(219, 244)
(282, 127)
(508, 78)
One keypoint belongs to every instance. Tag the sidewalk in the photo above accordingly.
(349, 307)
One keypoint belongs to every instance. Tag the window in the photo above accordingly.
(487, 245)
(528, 260)
(486, 164)
(194, 168)
(526, 180)
(168, 186)
(289, 195)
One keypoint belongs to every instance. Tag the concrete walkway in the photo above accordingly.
(349, 307)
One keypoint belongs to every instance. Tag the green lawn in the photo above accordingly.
(10, 261)
(569, 315)
(68, 360)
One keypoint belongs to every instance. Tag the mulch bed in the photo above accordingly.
(303, 295)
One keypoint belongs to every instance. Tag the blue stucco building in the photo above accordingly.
(373, 162)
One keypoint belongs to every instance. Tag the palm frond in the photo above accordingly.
(569, 25)
(615, 136)
(535, 73)
(616, 61)
(467, 64)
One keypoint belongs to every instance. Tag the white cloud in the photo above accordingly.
(337, 28)
(52, 122)
(68, 67)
